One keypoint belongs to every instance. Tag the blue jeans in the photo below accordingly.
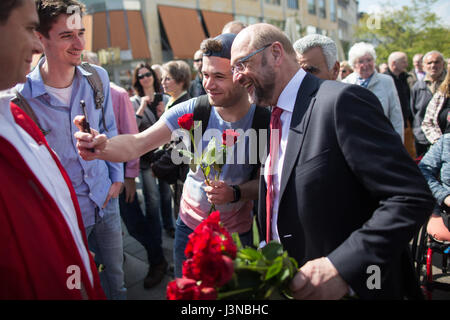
(105, 240)
(182, 232)
(156, 201)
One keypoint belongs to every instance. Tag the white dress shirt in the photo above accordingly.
(286, 101)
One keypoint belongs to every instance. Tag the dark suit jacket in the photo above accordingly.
(349, 190)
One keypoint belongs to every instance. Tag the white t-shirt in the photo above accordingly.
(64, 95)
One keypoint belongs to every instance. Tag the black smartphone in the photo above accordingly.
(158, 98)
(85, 124)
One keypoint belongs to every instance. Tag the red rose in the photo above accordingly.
(211, 268)
(186, 121)
(182, 289)
(187, 289)
(229, 137)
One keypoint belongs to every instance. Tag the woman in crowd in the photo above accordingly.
(176, 78)
(435, 167)
(437, 116)
(148, 105)
(344, 70)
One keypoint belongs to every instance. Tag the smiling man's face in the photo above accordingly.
(65, 43)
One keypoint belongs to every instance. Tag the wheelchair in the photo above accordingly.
(432, 239)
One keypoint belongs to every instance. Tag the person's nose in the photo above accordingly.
(208, 83)
(36, 45)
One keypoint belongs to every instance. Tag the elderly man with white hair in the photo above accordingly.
(317, 54)
(362, 58)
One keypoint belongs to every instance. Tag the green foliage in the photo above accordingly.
(411, 29)
(260, 273)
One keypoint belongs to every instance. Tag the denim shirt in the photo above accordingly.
(91, 179)
(435, 167)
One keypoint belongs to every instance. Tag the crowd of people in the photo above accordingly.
(339, 185)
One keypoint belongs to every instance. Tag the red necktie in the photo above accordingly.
(275, 124)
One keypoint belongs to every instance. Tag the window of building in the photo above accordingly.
(292, 4)
(333, 10)
(322, 9)
(312, 6)
(276, 2)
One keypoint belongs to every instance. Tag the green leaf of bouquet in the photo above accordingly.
(285, 275)
(237, 240)
(272, 250)
(209, 157)
(250, 254)
(275, 268)
(207, 170)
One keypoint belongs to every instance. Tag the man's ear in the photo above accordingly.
(277, 52)
(335, 70)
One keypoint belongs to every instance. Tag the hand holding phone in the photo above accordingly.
(85, 124)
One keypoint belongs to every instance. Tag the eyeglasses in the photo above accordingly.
(240, 66)
(144, 75)
(198, 60)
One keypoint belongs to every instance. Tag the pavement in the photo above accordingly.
(136, 264)
(136, 268)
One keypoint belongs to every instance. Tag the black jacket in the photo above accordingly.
(349, 190)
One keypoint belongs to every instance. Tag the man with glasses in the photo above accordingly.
(232, 195)
(340, 193)
(196, 89)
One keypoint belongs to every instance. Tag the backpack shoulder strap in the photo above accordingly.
(23, 104)
(202, 111)
(97, 86)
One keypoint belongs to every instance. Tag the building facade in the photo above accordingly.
(127, 31)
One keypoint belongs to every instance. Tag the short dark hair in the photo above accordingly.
(50, 10)
(6, 6)
(137, 85)
(180, 71)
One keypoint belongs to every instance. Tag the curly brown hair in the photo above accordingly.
(50, 10)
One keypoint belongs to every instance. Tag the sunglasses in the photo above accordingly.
(144, 75)
(198, 60)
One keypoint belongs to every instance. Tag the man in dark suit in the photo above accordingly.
(347, 197)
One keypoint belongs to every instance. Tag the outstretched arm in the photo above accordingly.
(120, 148)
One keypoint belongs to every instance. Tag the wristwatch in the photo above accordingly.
(237, 193)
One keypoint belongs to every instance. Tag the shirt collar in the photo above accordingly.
(37, 83)
(286, 100)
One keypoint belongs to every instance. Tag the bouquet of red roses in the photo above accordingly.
(218, 267)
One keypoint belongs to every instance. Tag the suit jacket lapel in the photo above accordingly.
(303, 103)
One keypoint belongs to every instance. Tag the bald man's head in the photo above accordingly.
(261, 34)
(263, 61)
